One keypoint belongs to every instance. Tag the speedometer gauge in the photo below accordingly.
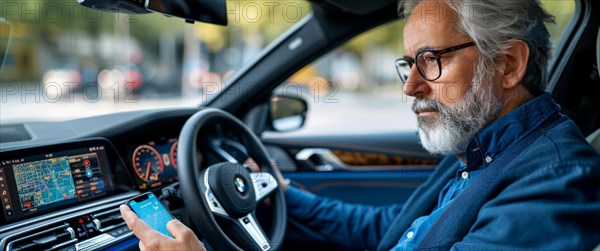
(173, 154)
(147, 163)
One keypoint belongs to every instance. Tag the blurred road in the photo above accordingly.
(382, 111)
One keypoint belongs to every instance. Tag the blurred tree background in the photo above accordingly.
(385, 44)
(62, 34)
(169, 63)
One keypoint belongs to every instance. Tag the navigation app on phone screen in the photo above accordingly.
(152, 212)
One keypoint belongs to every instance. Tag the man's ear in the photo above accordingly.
(514, 63)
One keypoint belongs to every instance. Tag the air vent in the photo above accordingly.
(108, 220)
(51, 238)
(13, 133)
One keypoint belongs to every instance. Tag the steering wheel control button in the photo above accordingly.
(264, 183)
(214, 204)
(232, 187)
(251, 227)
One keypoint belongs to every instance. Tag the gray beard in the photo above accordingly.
(457, 124)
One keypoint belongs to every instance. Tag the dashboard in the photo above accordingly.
(61, 185)
(33, 181)
(61, 190)
(37, 180)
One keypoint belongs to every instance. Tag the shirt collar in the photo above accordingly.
(508, 129)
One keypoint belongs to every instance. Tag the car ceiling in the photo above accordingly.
(358, 7)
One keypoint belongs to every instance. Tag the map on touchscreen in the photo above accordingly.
(44, 182)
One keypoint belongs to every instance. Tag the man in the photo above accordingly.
(518, 175)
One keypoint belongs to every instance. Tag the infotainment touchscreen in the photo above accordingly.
(36, 183)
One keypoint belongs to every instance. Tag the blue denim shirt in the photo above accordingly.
(547, 198)
(415, 233)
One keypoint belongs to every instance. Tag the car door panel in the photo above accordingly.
(364, 187)
(376, 169)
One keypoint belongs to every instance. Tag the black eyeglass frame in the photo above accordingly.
(436, 53)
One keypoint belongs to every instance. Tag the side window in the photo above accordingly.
(355, 88)
(563, 11)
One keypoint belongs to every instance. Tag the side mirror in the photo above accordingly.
(287, 113)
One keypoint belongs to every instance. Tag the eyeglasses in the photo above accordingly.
(428, 63)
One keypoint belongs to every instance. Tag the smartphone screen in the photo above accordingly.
(151, 211)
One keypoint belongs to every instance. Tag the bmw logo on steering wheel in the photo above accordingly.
(240, 185)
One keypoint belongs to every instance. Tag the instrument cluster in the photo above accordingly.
(154, 163)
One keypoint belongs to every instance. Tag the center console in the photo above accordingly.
(63, 197)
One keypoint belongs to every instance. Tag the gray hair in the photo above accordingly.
(495, 24)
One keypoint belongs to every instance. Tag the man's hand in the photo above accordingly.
(255, 168)
(183, 237)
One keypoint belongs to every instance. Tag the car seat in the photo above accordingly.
(594, 138)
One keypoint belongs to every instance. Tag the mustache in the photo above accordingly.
(421, 104)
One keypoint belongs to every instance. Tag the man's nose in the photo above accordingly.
(416, 85)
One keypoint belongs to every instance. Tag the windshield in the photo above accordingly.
(65, 61)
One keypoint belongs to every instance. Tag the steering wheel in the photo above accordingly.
(222, 198)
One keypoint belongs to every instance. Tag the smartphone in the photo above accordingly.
(150, 210)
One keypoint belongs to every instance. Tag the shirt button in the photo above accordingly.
(465, 175)
(488, 159)
(410, 234)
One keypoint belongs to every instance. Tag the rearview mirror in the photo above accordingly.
(287, 113)
(206, 11)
